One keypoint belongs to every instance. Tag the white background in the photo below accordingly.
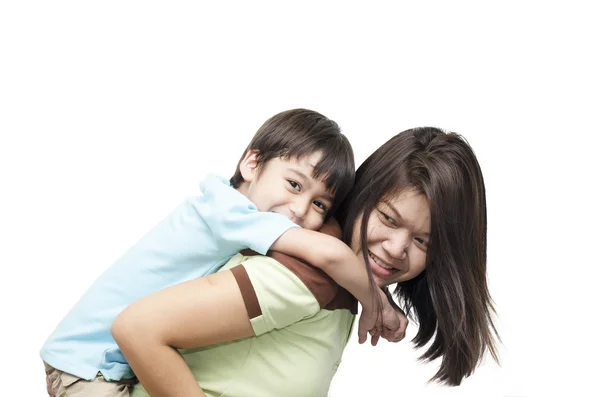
(111, 112)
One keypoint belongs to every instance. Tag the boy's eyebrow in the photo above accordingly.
(306, 180)
(395, 211)
(300, 175)
(329, 197)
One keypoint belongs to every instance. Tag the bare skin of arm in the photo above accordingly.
(196, 313)
(335, 258)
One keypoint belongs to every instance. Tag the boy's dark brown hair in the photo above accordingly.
(301, 132)
(450, 299)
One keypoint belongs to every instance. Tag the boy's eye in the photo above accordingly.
(295, 185)
(320, 205)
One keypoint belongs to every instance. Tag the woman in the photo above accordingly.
(416, 217)
(445, 288)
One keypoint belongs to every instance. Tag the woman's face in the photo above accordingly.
(397, 238)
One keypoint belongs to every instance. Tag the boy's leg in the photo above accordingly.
(62, 384)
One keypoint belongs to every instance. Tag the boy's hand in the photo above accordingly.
(391, 324)
(369, 323)
(394, 317)
(395, 335)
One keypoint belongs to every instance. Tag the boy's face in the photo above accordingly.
(288, 188)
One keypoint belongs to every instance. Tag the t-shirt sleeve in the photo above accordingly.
(274, 296)
(236, 222)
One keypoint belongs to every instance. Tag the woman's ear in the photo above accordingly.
(249, 166)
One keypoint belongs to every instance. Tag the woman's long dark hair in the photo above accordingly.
(450, 300)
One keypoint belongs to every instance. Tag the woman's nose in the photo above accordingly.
(397, 244)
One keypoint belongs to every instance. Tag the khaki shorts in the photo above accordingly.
(62, 384)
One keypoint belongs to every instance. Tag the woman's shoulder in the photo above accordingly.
(325, 290)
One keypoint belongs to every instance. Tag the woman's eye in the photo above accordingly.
(387, 218)
(420, 241)
(294, 185)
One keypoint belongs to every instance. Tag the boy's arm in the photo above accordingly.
(330, 255)
(337, 260)
(325, 251)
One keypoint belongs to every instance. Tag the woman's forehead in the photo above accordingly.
(401, 194)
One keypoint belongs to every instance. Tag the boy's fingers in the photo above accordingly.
(389, 335)
(375, 335)
(403, 323)
(393, 336)
(397, 336)
(401, 332)
(375, 338)
(362, 335)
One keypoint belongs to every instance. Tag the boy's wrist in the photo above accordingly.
(370, 303)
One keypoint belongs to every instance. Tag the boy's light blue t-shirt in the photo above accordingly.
(196, 239)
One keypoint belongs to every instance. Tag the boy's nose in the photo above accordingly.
(299, 208)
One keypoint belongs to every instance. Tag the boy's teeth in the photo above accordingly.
(379, 263)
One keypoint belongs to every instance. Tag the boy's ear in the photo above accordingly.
(249, 166)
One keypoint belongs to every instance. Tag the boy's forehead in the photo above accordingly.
(310, 160)
(304, 165)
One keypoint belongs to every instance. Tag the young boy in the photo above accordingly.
(294, 172)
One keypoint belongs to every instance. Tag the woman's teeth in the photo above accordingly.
(376, 260)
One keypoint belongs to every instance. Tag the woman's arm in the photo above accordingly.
(196, 313)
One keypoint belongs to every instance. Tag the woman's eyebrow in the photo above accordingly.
(393, 209)
(397, 214)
